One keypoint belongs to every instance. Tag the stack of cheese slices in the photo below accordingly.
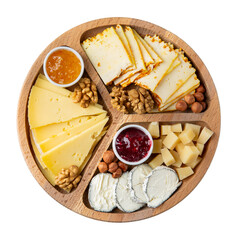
(62, 132)
(122, 56)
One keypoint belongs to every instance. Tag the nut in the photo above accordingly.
(181, 105)
(197, 107)
(199, 96)
(102, 167)
(108, 156)
(123, 166)
(112, 167)
(119, 99)
(117, 173)
(189, 99)
(204, 105)
(201, 89)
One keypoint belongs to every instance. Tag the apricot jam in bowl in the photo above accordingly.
(132, 144)
(63, 66)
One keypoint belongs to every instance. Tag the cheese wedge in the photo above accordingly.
(139, 61)
(73, 151)
(50, 143)
(174, 80)
(42, 82)
(107, 54)
(46, 107)
(168, 56)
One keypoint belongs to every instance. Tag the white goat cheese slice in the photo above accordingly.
(101, 193)
(159, 185)
(123, 195)
(136, 179)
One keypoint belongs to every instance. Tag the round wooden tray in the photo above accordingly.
(77, 200)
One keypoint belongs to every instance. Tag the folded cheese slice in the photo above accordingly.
(167, 54)
(174, 80)
(138, 56)
(74, 150)
(107, 54)
(46, 107)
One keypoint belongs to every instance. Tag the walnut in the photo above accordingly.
(68, 178)
(120, 99)
(141, 100)
(85, 93)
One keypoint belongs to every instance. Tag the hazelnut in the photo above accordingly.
(201, 89)
(204, 105)
(102, 167)
(189, 99)
(117, 173)
(108, 156)
(181, 105)
(197, 107)
(112, 167)
(123, 166)
(199, 96)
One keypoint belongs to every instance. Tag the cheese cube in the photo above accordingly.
(178, 162)
(176, 127)
(157, 145)
(187, 136)
(205, 135)
(195, 163)
(195, 128)
(165, 129)
(200, 148)
(153, 128)
(157, 161)
(189, 154)
(190, 144)
(171, 140)
(168, 158)
(179, 147)
(184, 172)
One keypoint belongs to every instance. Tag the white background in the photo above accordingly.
(211, 28)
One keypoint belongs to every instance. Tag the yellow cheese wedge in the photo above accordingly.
(139, 61)
(46, 107)
(74, 150)
(168, 56)
(50, 143)
(42, 82)
(174, 80)
(107, 54)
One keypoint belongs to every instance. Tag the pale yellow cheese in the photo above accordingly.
(187, 136)
(177, 128)
(204, 135)
(189, 154)
(168, 158)
(184, 172)
(165, 129)
(178, 162)
(200, 147)
(195, 163)
(157, 145)
(179, 147)
(73, 151)
(46, 107)
(195, 128)
(153, 128)
(155, 162)
(52, 142)
(171, 140)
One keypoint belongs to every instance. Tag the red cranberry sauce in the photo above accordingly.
(133, 144)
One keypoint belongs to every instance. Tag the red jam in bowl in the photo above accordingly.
(132, 144)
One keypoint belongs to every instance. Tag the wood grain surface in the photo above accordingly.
(77, 200)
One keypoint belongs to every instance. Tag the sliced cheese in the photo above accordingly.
(73, 151)
(107, 54)
(46, 107)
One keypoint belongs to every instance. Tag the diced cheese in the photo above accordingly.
(155, 162)
(176, 127)
(205, 135)
(189, 154)
(187, 136)
(171, 140)
(195, 163)
(177, 158)
(195, 128)
(46, 107)
(168, 158)
(157, 145)
(165, 129)
(179, 147)
(73, 151)
(200, 147)
(153, 128)
(184, 172)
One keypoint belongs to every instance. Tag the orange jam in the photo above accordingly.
(63, 66)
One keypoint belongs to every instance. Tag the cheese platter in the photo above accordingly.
(118, 119)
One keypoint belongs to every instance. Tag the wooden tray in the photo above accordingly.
(77, 200)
